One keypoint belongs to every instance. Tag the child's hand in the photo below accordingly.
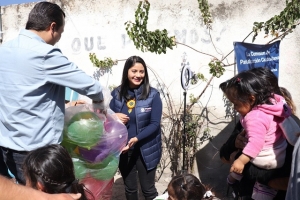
(237, 166)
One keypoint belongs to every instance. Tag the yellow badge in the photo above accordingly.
(130, 104)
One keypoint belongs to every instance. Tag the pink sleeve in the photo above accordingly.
(256, 123)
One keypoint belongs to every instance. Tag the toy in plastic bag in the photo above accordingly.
(98, 188)
(94, 141)
(84, 129)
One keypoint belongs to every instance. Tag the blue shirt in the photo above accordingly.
(33, 77)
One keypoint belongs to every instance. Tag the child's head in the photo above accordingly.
(250, 88)
(185, 187)
(266, 74)
(288, 98)
(50, 169)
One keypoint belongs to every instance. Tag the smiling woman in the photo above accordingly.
(139, 107)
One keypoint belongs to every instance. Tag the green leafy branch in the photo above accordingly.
(104, 65)
(158, 41)
(216, 68)
(197, 77)
(154, 41)
(283, 23)
(205, 13)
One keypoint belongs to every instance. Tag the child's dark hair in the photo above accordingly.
(288, 98)
(187, 187)
(258, 82)
(52, 167)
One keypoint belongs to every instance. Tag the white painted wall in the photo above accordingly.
(103, 21)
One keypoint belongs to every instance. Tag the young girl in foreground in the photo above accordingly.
(260, 113)
(187, 187)
(50, 169)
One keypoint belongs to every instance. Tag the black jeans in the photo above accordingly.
(3, 168)
(132, 165)
(14, 161)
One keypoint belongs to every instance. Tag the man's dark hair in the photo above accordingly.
(43, 14)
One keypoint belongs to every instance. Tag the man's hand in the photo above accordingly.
(98, 107)
(62, 196)
(241, 140)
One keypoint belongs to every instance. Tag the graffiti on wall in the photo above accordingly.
(88, 44)
(190, 37)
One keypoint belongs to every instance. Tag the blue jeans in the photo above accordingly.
(14, 161)
(132, 166)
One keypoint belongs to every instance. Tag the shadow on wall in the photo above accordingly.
(212, 171)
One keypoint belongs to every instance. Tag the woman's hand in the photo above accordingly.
(78, 102)
(124, 118)
(225, 161)
(132, 141)
(125, 149)
(241, 140)
(74, 103)
(232, 156)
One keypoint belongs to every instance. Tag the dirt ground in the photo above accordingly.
(211, 171)
(119, 191)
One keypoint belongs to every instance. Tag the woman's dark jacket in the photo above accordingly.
(151, 146)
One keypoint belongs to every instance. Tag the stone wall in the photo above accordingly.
(98, 27)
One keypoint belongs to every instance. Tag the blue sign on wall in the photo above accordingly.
(249, 56)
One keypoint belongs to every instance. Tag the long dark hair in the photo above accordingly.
(266, 74)
(187, 187)
(124, 87)
(52, 167)
(258, 82)
(43, 14)
(288, 98)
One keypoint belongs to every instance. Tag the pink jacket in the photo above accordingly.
(265, 138)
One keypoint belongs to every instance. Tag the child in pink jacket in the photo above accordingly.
(260, 111)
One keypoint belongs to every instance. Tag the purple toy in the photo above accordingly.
(116, 135)
(112, 141)
(97, 153)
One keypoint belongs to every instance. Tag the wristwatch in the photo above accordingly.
(97, 101)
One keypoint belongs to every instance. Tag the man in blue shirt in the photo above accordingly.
(33, 77)
(12, 191)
